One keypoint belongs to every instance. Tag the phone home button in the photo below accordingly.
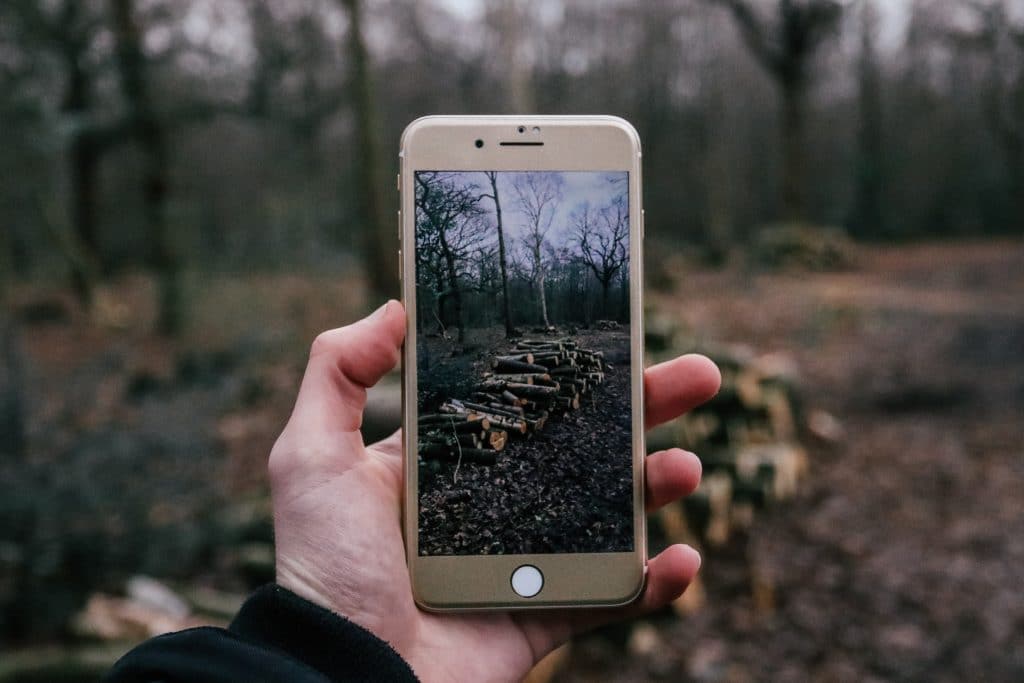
(527, 581)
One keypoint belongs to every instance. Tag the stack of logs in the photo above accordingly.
(527, 386)
(747, 438)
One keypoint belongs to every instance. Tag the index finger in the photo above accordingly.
(676, 386)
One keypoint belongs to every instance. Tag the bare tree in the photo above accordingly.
(368, 179)
(145, 128)
(68, 30)
(603, 239)
(448, 228)
(492, 178)
(784, 46)
(1001, 43)
(514, 25)
(538, 193)
(867, 209)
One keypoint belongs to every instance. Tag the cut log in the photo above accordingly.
(519, 379)
(539, 343)
(518, 358)
(496, 439)
(446, 418)
(511, 399)
(568, 402)
(708, 508)
(549, 360)
(515, 425)
(505, 367)
(515, 410)
(452, 408)
(530, 391)
(480, 456)
(500, 411)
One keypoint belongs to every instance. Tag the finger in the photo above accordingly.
(668, 575)
(343, 363)
(679, 385)
(670, 475)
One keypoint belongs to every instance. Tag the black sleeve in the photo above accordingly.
(276, 636)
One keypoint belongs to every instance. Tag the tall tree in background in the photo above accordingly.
(145, 128)
(512, 24)
(448, 228)
(68, 31)
(784, 46)
(868, 217)
(539, 194)
(603, 240)
(492, 178)
(1001, 44)
(369, 185)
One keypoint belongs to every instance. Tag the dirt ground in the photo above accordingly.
(902, 558)
(569, 489)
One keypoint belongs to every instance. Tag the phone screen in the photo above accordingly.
(523, 347)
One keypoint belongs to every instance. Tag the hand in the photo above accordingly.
(337, 514)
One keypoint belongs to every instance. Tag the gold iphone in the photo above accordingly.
(522, 380)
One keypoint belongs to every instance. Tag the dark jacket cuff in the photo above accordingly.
(325, 641)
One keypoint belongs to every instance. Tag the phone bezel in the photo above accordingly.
(570, 143)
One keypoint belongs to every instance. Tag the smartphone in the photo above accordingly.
(521, 268)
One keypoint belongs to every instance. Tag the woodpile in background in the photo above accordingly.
(747, 437)
(749, 441)
(524, 388)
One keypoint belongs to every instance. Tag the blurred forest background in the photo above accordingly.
(190, 190)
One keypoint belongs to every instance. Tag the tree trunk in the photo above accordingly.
(794, 207)
(453, 285)
(82, 171)
(867, 215)
(624, 294)
(147, 130)
(605, 285)
(12, 392)
(378, 263)
(542, 295)
(493, 177)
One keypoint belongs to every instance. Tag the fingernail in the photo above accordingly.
(694, 555)
(380, 312)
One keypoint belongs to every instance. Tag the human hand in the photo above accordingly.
(337, 514)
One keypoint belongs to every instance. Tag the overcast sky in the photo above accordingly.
(595, 188)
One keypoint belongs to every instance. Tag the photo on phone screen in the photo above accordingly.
(524, 421)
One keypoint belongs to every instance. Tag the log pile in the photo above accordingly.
(747, 437)
(528, 385)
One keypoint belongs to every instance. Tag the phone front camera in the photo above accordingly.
(521, 129)
(479, 144)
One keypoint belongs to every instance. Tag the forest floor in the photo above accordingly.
(900, 560)
(568, 489)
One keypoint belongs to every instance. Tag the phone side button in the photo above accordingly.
(527, 581)
(399, 225)
(399, 265)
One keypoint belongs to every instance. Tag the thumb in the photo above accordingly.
(343, 363)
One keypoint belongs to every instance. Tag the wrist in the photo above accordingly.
(342, 650)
